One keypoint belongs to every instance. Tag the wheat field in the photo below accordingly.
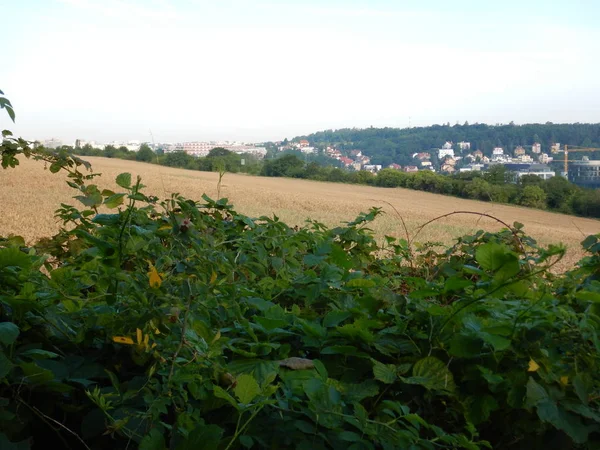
(29, 195)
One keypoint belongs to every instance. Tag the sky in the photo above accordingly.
(186, 70)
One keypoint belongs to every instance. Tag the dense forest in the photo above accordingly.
(396, 145)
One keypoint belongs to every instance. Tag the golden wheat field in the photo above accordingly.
(29, 195)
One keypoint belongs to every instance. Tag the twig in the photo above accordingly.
(511, 229)
(46, 418)
(63, 427)
(575, 225)
(400, 217)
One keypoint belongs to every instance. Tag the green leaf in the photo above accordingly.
(114, 200)
(432, 374)
(247, 388)
(13, 257)
(154, 440)
(10, 111)
(334, 318)
(360, 282)
(385, 373)
(9, 333)
(5, 365)
(508, 270)
(246, 441)
(203, 437)
(479, 407)
(491, 256)
(313, 260)
(465, 346)
(34, 374)
(499, 343)
(456, 284)
(349, 436)
(583, 385)
(588, 296)
(219, 392)
(55, 167)
(106, 219)
(535, 393)
(124, 180)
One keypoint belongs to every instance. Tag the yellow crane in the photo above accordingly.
(576, 149)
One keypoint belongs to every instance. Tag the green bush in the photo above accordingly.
(185, 325)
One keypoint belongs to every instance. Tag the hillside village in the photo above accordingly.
(451, 158)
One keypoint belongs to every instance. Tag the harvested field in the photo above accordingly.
(29, 195)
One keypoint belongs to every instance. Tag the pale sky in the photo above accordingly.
(269, 69)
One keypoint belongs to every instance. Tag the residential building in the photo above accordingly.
(464, 146)
(372, 167)
(422, 156)
(498, 151)
(304, 143)
(395, 166)
(346, 161)
(307, 150)
(448, 168)
(524, 158)
(426, 164)
(356, 153)
(52, 143)
(450, 161)
(536, 147)
(544, 158)
(443, 152)
(519, 151)
(555, 148)
(356, 165)
(446, 150)
(411, 169)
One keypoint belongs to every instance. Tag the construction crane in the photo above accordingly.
(576, 149)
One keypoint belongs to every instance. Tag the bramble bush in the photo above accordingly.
(182, 324)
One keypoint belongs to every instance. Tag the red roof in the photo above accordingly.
(346, 161)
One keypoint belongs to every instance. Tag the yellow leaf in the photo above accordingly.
(165, 227)
(213, 277)
(138, 334)
(533, 366)
(154, 277)
(123, 340)
(146, 340)
(564, 380)
(217, 337)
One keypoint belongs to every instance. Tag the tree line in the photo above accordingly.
(218, 159)
(496, 185)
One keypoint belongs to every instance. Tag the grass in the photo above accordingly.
(29, 195)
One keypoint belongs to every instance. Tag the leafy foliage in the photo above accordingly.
(183, 324)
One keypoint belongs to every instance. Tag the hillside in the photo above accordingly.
(397, 145)
(292, 200)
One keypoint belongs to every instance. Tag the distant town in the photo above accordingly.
(451, 158)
